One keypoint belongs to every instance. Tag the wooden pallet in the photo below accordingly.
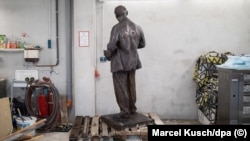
(94, 129)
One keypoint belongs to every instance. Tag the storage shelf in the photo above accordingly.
(11, 50)
(16, 84)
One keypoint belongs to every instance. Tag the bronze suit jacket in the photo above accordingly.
(126, 37)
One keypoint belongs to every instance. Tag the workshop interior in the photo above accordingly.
(195, 65)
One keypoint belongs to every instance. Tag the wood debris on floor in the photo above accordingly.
(86, 127)
(24, 134)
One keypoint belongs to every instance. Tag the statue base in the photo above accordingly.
(118, 123)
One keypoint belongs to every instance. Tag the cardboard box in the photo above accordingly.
(5, 117)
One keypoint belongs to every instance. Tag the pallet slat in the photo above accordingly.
(104, 129)
(157, 120)
(112, 131)
(95, 126)
(78, 122)
(86, 127)
(75, 134)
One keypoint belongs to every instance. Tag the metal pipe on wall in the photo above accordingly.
(69, 66)
(69, 53)
(57, 43)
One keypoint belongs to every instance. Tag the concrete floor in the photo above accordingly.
(64, 136)
(55, 136)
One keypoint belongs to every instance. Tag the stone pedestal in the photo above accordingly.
(118, 123)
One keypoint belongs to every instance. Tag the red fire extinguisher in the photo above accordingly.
(42, 105)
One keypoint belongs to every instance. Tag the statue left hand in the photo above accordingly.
(107, 54)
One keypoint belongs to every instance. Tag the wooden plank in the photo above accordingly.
(112, 131)
(5, 116)
(64, 109)
(129, 133)
(76, 131)
(157, 120)
(104, 129)
(95, 126)
(143, 129)
(144, 132)
(117, 132)
(75, 134)
(85, 131)
(81, 129)
(78, 122)
(146, 114)
(134, 129)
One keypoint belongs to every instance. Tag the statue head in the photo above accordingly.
(120, 12)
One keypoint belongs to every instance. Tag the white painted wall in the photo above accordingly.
(33, 17)
(176, 31)
(84, 59)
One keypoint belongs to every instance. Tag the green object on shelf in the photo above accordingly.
(2, 38)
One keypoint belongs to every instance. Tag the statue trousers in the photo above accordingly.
(125, 90)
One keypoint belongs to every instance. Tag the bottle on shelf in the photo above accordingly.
(8, 44)
(17, 43)
(13, 44)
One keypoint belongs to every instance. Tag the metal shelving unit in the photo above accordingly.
(16, 84)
